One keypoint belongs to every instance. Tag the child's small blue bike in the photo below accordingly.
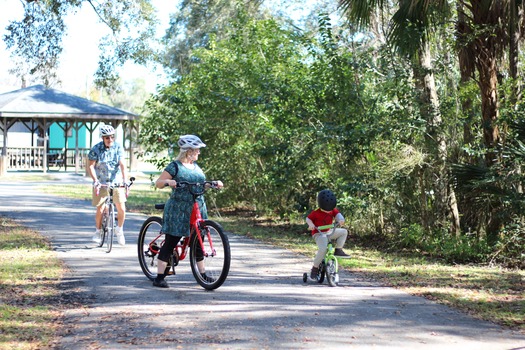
(329, 267)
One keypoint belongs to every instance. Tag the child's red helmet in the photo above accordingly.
(326, 200)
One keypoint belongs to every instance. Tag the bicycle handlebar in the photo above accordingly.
(127, 185)
(331, 226)
(192, 188)
(198, 188)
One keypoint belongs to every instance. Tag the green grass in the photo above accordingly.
(30, 275)
(142, 198)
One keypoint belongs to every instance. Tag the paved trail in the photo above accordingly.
(263, 305)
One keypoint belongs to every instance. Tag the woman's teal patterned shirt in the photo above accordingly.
(177, 211)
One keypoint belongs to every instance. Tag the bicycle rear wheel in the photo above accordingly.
(331, 272)
(111, 226)
(149, 242)
(210, 263)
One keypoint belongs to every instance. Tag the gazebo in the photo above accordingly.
(38, 108)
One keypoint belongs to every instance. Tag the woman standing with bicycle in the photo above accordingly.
(178, 208)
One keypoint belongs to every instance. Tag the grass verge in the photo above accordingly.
(30, 274)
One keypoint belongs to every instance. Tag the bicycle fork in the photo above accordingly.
(331, 257)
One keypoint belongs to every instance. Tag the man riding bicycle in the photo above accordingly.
(106, 166)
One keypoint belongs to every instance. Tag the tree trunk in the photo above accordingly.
(445, 200)
(488, 84)
(514, 34)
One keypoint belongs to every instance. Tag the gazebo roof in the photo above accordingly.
(45, 103)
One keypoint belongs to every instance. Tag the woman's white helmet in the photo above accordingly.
(106, 130)
(190, 141)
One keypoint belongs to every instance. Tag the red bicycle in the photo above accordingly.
(208, 245)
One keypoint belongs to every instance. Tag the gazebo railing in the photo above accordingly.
(32, 158)
(25, 158)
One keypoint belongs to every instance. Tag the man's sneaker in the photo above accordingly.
(314, 272)
(161, 284)
(96, 237)
(120, 237)
(341, 254)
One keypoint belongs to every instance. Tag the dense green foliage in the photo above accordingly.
(411, 111)
(286, 113)
(280, 120)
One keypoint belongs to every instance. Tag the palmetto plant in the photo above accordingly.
(492, 196)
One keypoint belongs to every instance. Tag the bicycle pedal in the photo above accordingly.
(171, 273)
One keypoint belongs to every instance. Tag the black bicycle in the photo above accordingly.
(109, 218)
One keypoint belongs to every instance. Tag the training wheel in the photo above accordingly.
(305, 277)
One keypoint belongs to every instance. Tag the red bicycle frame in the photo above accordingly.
(181, 249)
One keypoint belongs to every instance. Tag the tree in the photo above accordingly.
(36, 39)
(279, 110)
(410, 33)
(192, 26)
(485, 29)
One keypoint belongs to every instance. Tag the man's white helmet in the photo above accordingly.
(106, 130)
(190, 141)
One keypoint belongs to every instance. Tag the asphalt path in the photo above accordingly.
(263, 304)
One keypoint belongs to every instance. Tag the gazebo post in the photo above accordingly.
(66, 134)
(3, 157)
(45, 137)
(76, 148)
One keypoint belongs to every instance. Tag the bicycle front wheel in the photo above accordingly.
(111, 227)
(149, 242)
(103, 230)
(321, 272)
(331, 272)
(210, 261)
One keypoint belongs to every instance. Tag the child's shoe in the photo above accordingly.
(340, 253)
(314, 272)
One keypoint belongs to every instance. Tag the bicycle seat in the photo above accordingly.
(159, 206)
